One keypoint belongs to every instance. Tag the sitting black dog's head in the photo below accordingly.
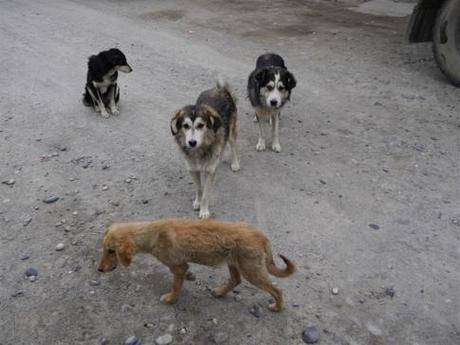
(270, 84)
(116, 59)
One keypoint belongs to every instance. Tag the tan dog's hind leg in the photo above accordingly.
(234, 280)
(179, 272)
(257, 275)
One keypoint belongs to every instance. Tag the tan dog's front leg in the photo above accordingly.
(179, 272)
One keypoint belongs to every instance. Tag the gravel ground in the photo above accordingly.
(364, 196)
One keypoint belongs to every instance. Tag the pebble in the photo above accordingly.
(9, 182)
(59, 247)
(128, 180)
(390, 291)
(32, 278)
(374, 330)
(25, 257)
(164, 339)
(17, 293)
(148, 325)
(27, 221)
(335, 290)
(220, 338)
(310, 335)
(183, 330)
(94, 282)
(374, 226)
(105, 187)
(104, 341)
(50, 199)
(237, 298)
(75, 213)
(31, 272)
(256, 310)
(132, 340)
(322, 181)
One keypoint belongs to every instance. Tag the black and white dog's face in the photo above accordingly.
(275, 85)
(117, 60)
(195, 127)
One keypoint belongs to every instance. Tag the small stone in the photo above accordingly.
(67, 228)
(9, 182)
(31, 272)
(237, 298)
(374, 226)
(390, 291)
(335, 290)
(310, 335)
(27, 221)
(25, 257)
(322, 181)
(75, 213)
(148, 325)
(220, 338)
(132, 340)
(18, 293)
(164, 339)
(256, 310)
(128, 180)
(50, 199)
(94, 282)
(105, 187)
(32, 278)
(214, 321)
(183, 330)
(104, 341)
(59, 247)
(374, 330)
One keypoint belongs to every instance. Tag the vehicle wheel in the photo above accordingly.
(446, 40)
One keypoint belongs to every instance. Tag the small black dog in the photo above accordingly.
(101, 89)
(269, 88)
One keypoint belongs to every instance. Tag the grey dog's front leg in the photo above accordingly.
(197, 180)
(209, 182)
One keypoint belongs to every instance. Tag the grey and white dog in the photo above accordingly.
(269, 88)
(201, 132)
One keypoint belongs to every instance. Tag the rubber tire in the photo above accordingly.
(446, 40)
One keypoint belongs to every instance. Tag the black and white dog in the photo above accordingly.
(269, 88)
(101, 89)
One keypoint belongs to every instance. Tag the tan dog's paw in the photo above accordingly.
(274, 308)
(168, 298)
(219, 291)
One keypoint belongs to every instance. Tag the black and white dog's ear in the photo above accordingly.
(176, 122)
(291, 82)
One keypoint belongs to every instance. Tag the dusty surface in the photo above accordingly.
(371, 137)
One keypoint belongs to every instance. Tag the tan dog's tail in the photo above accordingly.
(277, 272)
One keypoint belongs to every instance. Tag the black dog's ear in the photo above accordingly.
(213, 119)
(290, 81)
(260, 76)
(176, 122)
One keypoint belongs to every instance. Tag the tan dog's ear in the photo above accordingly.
(213, 118)
(176, 122)
(125, 252)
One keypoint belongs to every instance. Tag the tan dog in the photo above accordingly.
(176, 242)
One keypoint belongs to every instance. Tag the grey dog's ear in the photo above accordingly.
(176, 122)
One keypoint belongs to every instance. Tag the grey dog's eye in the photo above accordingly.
(111, 251)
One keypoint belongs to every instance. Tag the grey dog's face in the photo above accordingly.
(194, 126)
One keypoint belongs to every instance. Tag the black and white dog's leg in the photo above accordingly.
(114, 92)
(261, 142)
(98, 100)
(275, 132)
(199, 191)
(207, 190)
